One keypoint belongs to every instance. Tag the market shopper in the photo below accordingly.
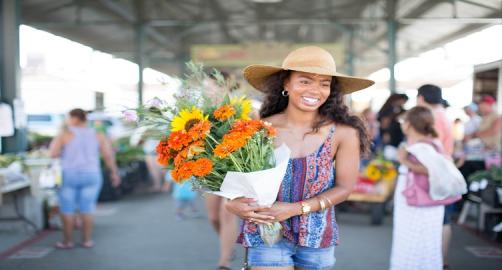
(304, 102)
(390, 130)
(224, 223)
(417, 230)
(155, 170)
(474, 121)
(472, 155)
(430, 96)
(490, 128)
(370, 120)
(79, 147)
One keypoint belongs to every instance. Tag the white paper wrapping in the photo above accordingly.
(260, 185)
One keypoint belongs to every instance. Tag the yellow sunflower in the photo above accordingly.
(245, 105)
(373, 173)
(186, 119)
(390, 175)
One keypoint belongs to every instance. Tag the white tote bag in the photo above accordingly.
(445, 180)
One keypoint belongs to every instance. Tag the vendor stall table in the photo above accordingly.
(376, 200)
(21, 197)
(14, 190)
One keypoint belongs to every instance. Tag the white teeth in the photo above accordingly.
(310, 100)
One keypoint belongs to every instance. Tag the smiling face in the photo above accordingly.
(307, 91)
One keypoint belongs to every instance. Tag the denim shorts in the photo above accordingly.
(448, 212)
(80, 190)
(286, 253)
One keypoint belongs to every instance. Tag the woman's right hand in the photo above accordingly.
(244, 208)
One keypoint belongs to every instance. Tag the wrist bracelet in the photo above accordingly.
(322, 203)
(329, 201)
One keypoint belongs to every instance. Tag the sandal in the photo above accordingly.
(88, 244)
(62, 245)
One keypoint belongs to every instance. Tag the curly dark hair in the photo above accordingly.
(333, 110)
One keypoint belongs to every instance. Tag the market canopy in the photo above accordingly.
(168, 33)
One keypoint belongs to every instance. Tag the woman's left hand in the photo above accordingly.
(281, 211)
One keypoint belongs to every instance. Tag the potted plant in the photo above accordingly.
(489, 184)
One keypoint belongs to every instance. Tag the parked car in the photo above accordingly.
(48, 124)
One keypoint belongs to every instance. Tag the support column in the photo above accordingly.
(140, 44)
(140, 31)
(183, 58)
(350, 58)
(391, 39)
(10, 73)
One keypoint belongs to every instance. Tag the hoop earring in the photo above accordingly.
(285, 93)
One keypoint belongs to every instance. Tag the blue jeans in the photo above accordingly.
(80, 190)
(286, 253)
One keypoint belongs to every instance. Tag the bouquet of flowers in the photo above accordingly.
(216, 146)
(379, 169)
(376, 171)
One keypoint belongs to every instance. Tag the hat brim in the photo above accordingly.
(256, 75)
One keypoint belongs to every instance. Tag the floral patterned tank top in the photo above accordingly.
(306, 177)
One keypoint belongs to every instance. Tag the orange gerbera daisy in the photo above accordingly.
(186, 170)
(174, 175)
(232, 142)
(163, 159)
(202, 167)
(223, 150)
(183, 172)
(181, 157)
(178, 139)
(163, 153)
(271, 131)
(162, 147)
(237, 139)
(248, 127)
(224, 112)
(240, 126)
(199, 130)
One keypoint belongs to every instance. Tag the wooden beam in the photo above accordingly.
(220, 12)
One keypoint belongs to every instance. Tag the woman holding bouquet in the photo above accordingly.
(304, 102)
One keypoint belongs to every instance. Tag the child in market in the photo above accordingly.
(184, 196)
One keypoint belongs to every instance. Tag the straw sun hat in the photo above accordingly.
(309, 59)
